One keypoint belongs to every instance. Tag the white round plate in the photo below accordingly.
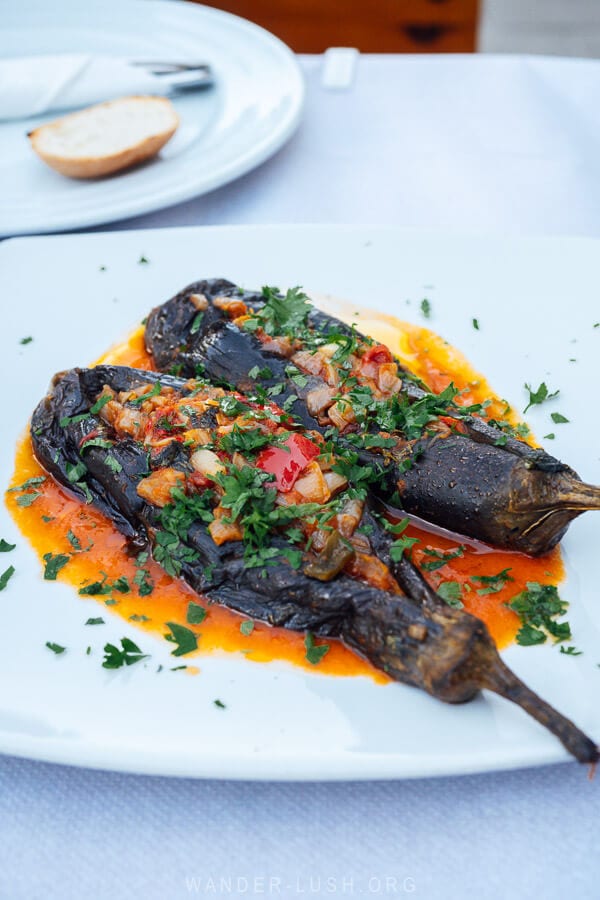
(225, 131)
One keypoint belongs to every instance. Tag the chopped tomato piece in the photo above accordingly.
(286, 463)
(378, 354)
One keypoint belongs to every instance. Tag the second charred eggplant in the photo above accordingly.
(436, 461)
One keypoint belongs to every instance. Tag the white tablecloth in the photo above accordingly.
(468, 143)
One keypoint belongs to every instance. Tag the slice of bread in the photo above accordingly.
(107, 137)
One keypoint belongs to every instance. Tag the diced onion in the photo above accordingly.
(335, 482)
(342, 415)
(312, 485)
(206, 462)
(308, 362)
(156, 488)
(319, 399)
(349, 517)
(280, 346)
(387, 378)
(221, 531)
(199, 302)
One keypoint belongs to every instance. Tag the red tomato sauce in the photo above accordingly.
(55, 512)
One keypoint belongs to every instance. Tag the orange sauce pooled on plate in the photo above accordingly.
(103, 554)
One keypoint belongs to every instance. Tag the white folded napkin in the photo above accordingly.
(39, 84)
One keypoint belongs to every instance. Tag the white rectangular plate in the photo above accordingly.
(536, 302)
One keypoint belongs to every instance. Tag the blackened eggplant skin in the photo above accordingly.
(511, 496)
(418, 641)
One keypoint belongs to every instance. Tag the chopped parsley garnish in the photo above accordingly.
(247, 627)
(28, 498)
(254, 507)
(175, 519)
(491, 584)
(127, 655)
(6, 576)
(245, 440)
(113, 464)
(72, 420)
(143, 261)
(558, 419)
(219, 704)
(549, 437)
(154, 392)
(185, 639)
(450, 592)
(74, 471)
(296, 376)
(196, 614)
(97, 442)
(100, 403)
(539, 396)
(56, 648)
(25, 340)
(257, 373)
(571, 651)
(538, 607)
(286, 315)
(402, 542)
(5, 547)
(54, 562)
(74, 541)
(475, 324)
(398, 413)
(97, 621)
(101, 588)
(515, 431)
(439, 558)
(197, 322)
(142, 579)
(314, 652)
(30, 483)
(426, 308)
(136, 617)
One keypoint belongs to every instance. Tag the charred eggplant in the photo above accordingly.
(185, 468)
(436, 459)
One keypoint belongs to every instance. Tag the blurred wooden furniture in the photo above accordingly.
(373, 26)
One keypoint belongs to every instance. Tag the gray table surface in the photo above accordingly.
(471, 144)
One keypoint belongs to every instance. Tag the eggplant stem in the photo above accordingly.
(580, 496)
(499, 679)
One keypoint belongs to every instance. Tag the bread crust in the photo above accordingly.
(106, 164)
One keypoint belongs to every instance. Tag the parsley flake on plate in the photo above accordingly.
(128, 654)
(539, 396)
(6, 576)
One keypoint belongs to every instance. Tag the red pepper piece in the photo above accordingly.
(287, 464)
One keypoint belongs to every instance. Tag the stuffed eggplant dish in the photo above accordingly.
(255, 512)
